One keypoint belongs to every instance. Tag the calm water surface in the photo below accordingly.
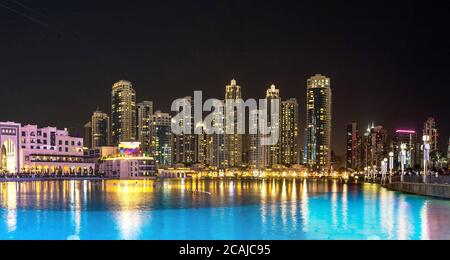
(228, 209)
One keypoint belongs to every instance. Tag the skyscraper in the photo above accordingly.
(270, 154)
(87, 136)
(233, 142)
(375, 147)
(289, 132)
(254, 142)
(353, 152)
(430, 129)
(100, 129)
(185, 146)
(215, 147)
(318, 123)
(144, 110)
(123, 112)
(160, 136)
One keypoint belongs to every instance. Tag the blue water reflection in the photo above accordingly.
(216, 209)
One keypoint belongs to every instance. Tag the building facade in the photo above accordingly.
(270, 154)
(129, 163)
(185, 146)
(87, 135)
(143, 113)
(254, 147)
(123, 112)
(289, 132)
(375, 147)
(161, 139)
(100, 129)
(353, 151)
(430, 129)
(10, 148)
(233, 140)
(318, 123)
(409, 138)
(52, 151)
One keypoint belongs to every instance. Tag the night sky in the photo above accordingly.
(389, 61)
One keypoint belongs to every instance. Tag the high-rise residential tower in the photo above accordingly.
(87, 136)
(100, 129)
(160, 136)
(254, 142)
(270, 154)
(185, 146)
(289, 132)
(232, 140)
(144, 110)
(375, 147)
(353, 152)
(318, 123)
(123, 112)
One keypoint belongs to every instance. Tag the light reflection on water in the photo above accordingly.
(231, 209)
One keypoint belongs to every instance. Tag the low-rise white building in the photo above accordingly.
(34, 150)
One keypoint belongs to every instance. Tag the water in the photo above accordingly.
(231, 209)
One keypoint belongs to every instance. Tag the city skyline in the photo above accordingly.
(364, 77)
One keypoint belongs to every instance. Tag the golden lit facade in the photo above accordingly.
(185, 146)
(233, 142)
(270, 154)
(100, 129)
(143, 113)
(318, 123)
(123, 112)
(289, 132)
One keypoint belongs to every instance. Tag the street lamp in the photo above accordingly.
(383, 170)
(426, 156)
(391, 165)
(403, 159)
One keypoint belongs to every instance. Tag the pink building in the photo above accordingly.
(51, 151)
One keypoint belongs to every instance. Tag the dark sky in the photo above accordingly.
(388, 60)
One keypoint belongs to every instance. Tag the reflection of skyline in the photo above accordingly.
(294, 209)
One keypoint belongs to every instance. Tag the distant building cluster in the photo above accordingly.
(140, 122)
(370, 147)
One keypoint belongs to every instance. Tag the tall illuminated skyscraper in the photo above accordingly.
(374, 145)
(254, 142)
(353, 152)
(87, 135)
(271, 153)
(185, 146)
(123, 112)
(214, 143)
(144, 110)
(233, 142)
(100, 129)
(160, 136)
(289, 132)
(318, 123)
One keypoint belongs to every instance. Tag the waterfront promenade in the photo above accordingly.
(433, 186)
